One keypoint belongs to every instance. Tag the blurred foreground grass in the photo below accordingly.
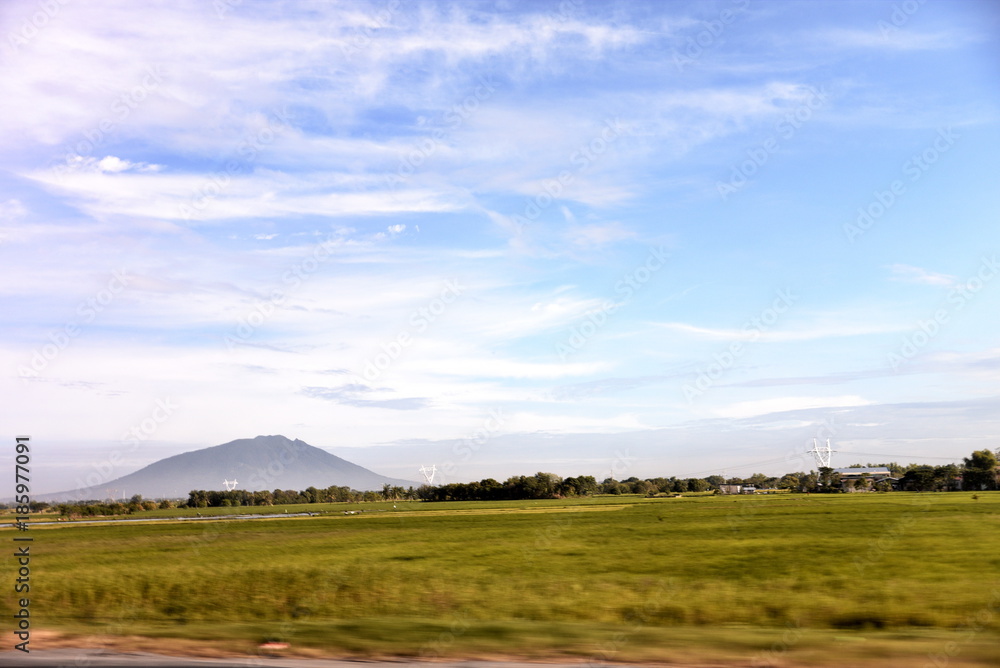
(616, 578)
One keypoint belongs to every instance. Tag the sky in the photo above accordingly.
(592, 238)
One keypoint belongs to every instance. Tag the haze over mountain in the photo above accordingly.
(264, 462)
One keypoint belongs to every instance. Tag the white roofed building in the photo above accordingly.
(862, 478)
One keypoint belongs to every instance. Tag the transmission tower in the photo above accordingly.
(429, 473)
(230, 484)
(823, 455)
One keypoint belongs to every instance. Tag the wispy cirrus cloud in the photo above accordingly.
(777, 336)
(893, 38)
(904, 273)
(745, 409)
(311, 174)
(354, 395)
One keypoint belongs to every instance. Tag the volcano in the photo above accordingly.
(261, 463)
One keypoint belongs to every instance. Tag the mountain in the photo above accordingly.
(264, 462)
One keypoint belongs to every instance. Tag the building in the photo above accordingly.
(737, 489)
(852, 479)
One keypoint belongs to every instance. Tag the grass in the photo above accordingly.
(633, 578)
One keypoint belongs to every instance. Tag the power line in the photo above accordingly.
(735, 467)
(767, 462)
(882, 454)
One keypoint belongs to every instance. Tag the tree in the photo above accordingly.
(948, 477)
(920, 479)
(789, 481)
(808, 481)
(197, 498)
(980, 471)
(579, 486)
(715, 480)
(643, 487)
(864, 483)
(611, 486)
(828, 480)
(698, 485)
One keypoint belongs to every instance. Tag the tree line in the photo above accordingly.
(977, 472)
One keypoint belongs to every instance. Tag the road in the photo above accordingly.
(97, 658)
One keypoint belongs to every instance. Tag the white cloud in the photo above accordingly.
(107, 165)
(504, 368)
(890, 37)
(216, 197)
(528, 421)
(765, 335)
(745, 409)
(598, 235)
(904, 273)
(185, 143)
(12, 210)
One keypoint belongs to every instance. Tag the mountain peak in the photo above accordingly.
(258, 463)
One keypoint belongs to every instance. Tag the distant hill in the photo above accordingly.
(261, 463)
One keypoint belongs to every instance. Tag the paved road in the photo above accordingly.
(96, 658)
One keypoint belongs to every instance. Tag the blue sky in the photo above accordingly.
(689, 236)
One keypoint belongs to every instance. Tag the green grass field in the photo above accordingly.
(783, 580)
